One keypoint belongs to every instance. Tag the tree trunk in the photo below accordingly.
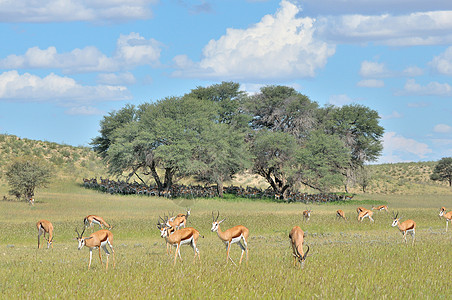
(156, 176)
(220, 187)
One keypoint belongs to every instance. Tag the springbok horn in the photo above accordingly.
(83, 231)
(217, 216)
(306, 253)
(78, 234)
(298, 253)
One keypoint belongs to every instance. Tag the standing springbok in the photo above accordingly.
(307, 214)
(97, 239)
(180, 237)
(365, 214)
(404, 227)
(231, 236)
(447, 216)
(296, 237)
(44, 227)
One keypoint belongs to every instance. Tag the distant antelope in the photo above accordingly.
(296, 237)
(44, 227)
(89, 220)
(365, 214)
(31, 200)
(447, 216)
(380, 208)
(307, 214)
(404, 227)
(98, 239)
(179, 221)
(340, 214)
(231, 236)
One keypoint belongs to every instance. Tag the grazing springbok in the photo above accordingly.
(447, 216)
(307, 214)
(177, 238)
(98, 239)
(89, 220)
(340, 214)
(360, 209)
(44, 227)
(380, 208)
(231, 236)
(365, 214)
(404, 227)
(296, 237)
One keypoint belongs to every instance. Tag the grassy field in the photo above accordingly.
(347, 259)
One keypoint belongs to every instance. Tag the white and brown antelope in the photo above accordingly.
(178, 221)
(447, 216)
(31, 200)
(307, 214)
(405, 227)
(296, 237)
(89, 220)
(44, 227)
(98, 239)
(365, 214)
(380, 208)
(231, 236)
(340, 214)
(177, 238)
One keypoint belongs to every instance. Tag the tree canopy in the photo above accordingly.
(443, 170)
(212, 133)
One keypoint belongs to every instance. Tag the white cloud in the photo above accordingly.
(417, 28)
(46, 11)
(83, 110)
(397, 148)
(393, 115)
(373, 69)
(443, 62)
(54, 88)
(442, 128)
(126, 78)
(279, 46)
(132, 50)
(340, 100)
(431, 89)
(371, 83)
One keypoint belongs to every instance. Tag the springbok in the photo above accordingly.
(404, 227)
(380, 208)
(231, 236)
(180, 237)
(340, 214)
(89, 220)
(447, 216)
(307, 214)
(44, 227)
(296, 237)
(365, 214)
(97, 239)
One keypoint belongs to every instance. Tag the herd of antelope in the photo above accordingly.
(173, 230)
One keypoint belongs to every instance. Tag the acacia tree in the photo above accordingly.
(25, 174)
(443, 170)
(184, 136)
(358, 127)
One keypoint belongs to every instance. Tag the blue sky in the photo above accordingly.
(64, 64)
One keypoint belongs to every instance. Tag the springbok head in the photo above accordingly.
(396, 219)
(215, 223)
(301, 258)
(80, 239)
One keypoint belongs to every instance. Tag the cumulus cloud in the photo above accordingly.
(84, 110)
(442, 128)
(416, 28)
(431, 89)
(396, 146)
(393, 115)
(131, 50)
(443, 62)
(340, 100)
(54, 88)
(279, 46)
(46, 11)
(126, 78)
